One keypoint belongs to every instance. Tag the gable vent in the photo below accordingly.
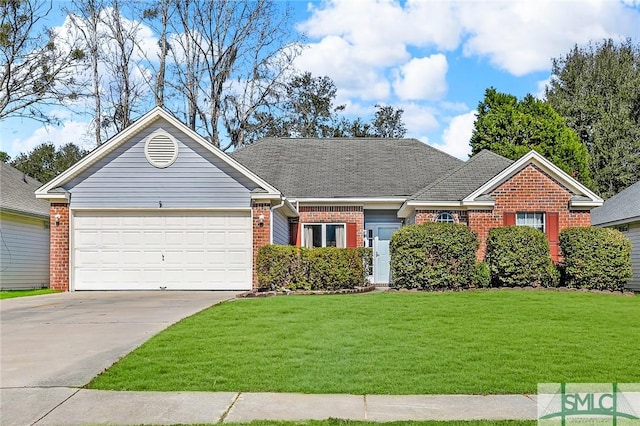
(161, 149)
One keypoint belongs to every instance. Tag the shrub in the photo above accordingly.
(433, 256)
(296, 268)
(279, 267)
(482, 275)
(595, 258)
(518, 256)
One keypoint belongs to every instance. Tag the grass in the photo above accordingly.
(10, 294)
(472, 342)
(338, 422)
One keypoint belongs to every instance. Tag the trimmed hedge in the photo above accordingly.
(433, 256)
(518, 256)
(595, 258)
(297, 268)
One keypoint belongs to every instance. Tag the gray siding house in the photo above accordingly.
(24, 232)
(622, 212)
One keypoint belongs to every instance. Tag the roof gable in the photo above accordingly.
(49, 190)
(346, 167)
(16, 193)
(624, 206)
(583, 197)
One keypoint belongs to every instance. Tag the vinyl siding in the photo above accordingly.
(280, 228)
(634, 235)
(125, 179)
(381, 216)
(24, 254)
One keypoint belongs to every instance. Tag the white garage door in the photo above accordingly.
(152, 251)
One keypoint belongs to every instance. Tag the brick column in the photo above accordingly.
(59, 247)
(261, 235)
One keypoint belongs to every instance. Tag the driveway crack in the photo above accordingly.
(54, 408)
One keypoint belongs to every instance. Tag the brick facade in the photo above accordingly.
(261, 235)
(530, 190)
(59, 247)
(333, 214)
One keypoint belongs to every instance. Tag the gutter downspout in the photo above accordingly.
(273, 209)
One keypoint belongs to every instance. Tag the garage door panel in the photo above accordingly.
(149, 250)
(153, 238)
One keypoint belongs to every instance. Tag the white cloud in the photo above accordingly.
(422, 78)
(70, 131)
(542, 86)
(457, 135)
(521, 36)
(349, 69)
(420, 119)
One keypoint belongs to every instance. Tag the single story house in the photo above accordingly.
(158, 207)
(24, 232)
(622, 212)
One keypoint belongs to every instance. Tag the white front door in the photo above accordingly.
(381, 255)
(162, 250)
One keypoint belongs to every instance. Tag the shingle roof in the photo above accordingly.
(346, 167)
(16, 193)
(622, 206)
(465, 179)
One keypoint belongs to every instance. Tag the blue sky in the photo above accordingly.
(434, 59)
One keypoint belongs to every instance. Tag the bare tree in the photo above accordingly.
(86, 19)
(227, 61)
(37, 70)
(126, 87)
(158, 15)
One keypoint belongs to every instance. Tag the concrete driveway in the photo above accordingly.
(65, 339)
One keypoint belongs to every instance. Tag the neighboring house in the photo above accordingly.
(24, 232)
(622, 212)
(157, 206)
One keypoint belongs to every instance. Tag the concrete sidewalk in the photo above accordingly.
(72, 406)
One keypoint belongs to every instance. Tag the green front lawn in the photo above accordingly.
(9, 294)
(472, 342)
(338, 422)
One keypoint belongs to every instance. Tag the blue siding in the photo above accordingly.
(280, 228)
(125, 179)
(381, 216)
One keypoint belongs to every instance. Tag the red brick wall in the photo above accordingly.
(59, 247)
(261, 235)
(333, 214)
(531, 190)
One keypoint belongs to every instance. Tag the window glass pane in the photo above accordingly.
(386, 233)
(334, 235)
(445, 218)
(312, 236)
(534, 220)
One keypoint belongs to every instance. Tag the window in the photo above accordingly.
(445, 218)
(324, 235)
(534, 220)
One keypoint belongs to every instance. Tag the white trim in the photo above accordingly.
(72, 251)
(264, 196)
(532, 157)
(53, 197)
(137, 126)
(585, 204)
